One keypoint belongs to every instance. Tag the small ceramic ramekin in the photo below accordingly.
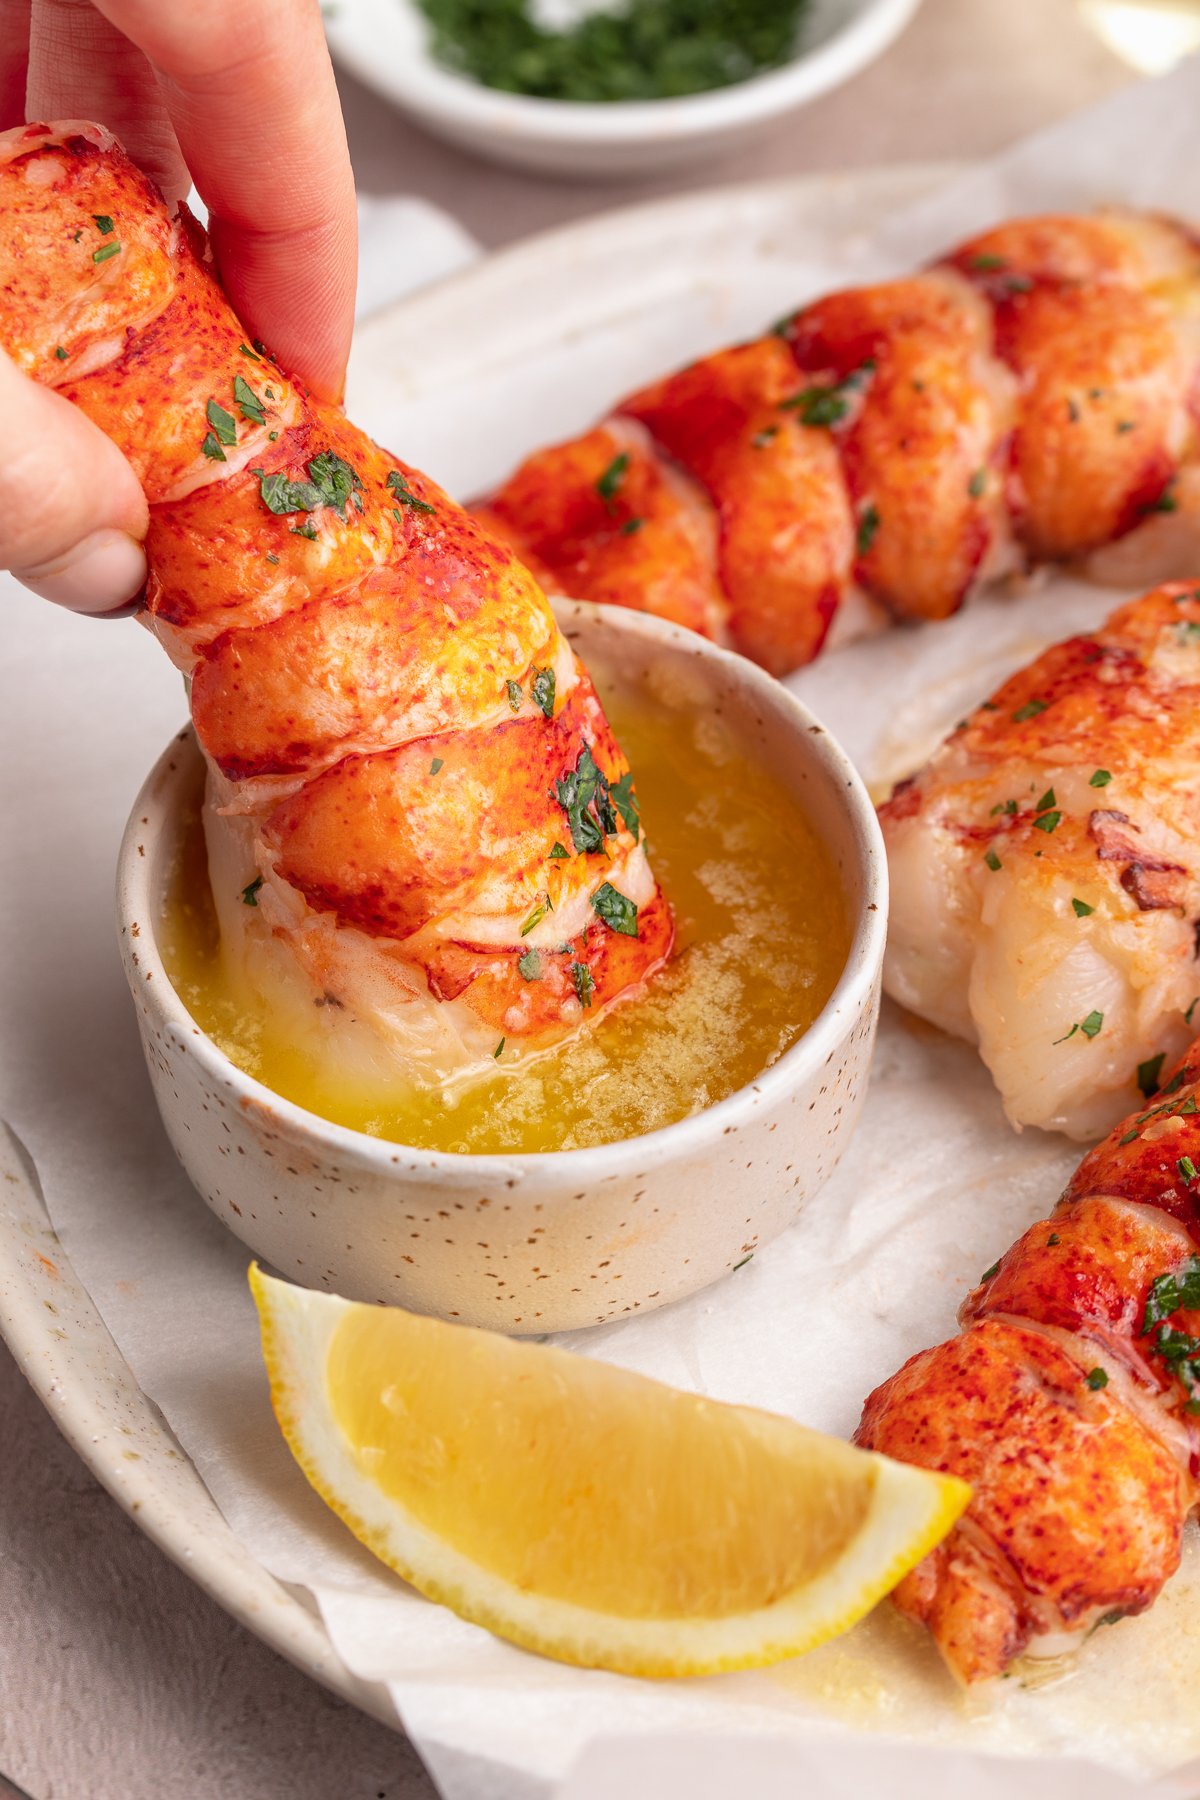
(535, 1242)
(385, 43)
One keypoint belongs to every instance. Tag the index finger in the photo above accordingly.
(251, 95)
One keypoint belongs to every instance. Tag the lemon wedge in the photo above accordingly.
(581, 1511)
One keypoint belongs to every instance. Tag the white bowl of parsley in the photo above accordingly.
(607, 87)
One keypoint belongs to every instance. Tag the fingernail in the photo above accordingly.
(100, 574)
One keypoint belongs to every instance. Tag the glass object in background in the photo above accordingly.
(1150, 35)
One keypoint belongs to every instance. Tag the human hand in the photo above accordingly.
(239, 97)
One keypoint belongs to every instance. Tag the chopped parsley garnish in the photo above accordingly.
(987, 265)
(583, 982)
(1090, 1027)
(537, 914)
(993, 861)
(398, 484)
(499, 1048)
(516, 694)
(529, 965)
(994, 1270)
(105, 251)
(1053, 1240)
(250, 894)
(616, 911)
(626, 803)
(1046, 800)
(223, 423)
(1180, 1109)
(827, 405)
(1166, 502)
(437, 765)
(630, 526)
(818, 405)
(559, 853)
(542, 690)
(1124, 425)
(248, 402)
(584, 796)
(271, 557)
(612, 478)
(1178, 1349)
(1148, 1074)
(762, 438)
(212, 449)
(104, 224)
(1100, 778)
(868, 526)
(1097, 1379)
(331, 482)
(307, 530)
(247, 351)
(1082, 909)
(60, 353)
(1048, 822)
(1030, 710)
(1173, 1293)
(1129, 1136)
(1187, 1168)
(1003, 806)
(1188, 631)
(977, 483)
(749, 1257)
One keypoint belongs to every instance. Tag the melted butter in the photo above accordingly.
(762, 935)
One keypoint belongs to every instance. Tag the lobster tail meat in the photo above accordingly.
(412, 784)
(1031, 398)
(1071, 1401)
(1045, 879)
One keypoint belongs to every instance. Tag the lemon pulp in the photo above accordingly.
(762, 936)
(674, 1477)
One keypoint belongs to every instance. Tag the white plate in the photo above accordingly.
(588, 311)
(385, 43)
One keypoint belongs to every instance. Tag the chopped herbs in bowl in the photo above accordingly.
(607, 87)
(642, 50)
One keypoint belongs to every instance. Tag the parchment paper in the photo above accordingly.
(933, 1188)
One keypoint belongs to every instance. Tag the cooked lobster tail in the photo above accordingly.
(1070, 1399)
(1031, 398)
(418, 815)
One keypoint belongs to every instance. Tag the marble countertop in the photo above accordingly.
(119, 1680)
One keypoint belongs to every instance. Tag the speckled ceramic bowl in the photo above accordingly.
(541, 1242)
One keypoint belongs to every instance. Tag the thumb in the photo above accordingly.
(74, 513)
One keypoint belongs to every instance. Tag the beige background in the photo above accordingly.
(118, 1679)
